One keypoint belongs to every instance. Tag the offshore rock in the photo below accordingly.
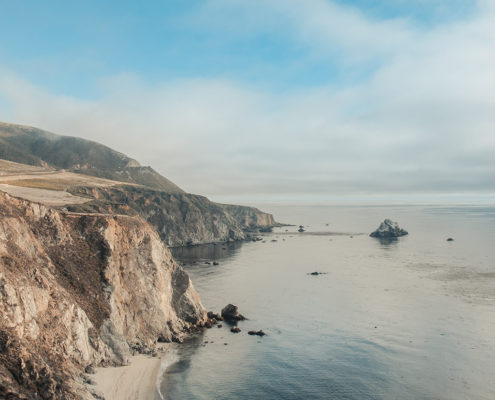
(388, 229)
(230, 313)
(257, 333)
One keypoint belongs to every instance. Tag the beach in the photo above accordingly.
(138, 380)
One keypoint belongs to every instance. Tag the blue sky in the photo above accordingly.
(224, 88)
(68, 46)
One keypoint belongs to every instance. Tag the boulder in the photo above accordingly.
(388, 229)
(230, 313)
(235, 329)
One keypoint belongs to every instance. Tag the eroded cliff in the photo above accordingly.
(81, 289)
(179, 218)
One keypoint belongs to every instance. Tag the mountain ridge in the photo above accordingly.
(34, 146)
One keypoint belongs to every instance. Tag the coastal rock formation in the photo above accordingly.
(388, 229)
(84, 176)
(180, 218)
(79, 290)
(230, 313)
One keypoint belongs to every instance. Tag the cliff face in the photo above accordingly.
(81, 289)
(179, 218)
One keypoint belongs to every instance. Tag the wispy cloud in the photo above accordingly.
(420, 121)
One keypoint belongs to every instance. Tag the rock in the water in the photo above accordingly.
(257, 333)
(235, 329)
(230, 313)
(388, 229)
(450, 239)
(316, 273)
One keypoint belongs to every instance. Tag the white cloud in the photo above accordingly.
(423, 122)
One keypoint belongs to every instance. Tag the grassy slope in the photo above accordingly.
(34, 146)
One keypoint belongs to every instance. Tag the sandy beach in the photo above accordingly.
(136, 381)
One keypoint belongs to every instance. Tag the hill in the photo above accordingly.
(33, 146)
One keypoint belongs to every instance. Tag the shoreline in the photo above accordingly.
(136, 381)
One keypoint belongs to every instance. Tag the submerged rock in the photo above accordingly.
(317, 273)
(450, 239)
(257, 333)
(235, 329)
(388, 229)
(230, 313)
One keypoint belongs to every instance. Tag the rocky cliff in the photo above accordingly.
(179, 218)
(81, 289)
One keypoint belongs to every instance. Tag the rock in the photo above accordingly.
(388, 229)
(257, 333)
(219, 325)
(235, 329)
(214, 316)
(215, 263)
(97, 395)
(230, 313)
(317, 273)
(207, 263)
(450, 239)
(301, 228)
(90, 369)
(87, 380)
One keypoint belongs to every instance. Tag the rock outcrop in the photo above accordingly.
(230, 313)
(388, 229)
(180, 218)
(79, 290)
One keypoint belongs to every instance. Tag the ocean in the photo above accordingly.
(407, 319)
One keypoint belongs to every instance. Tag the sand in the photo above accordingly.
(136, 381)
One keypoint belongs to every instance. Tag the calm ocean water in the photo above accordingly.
(411, 319)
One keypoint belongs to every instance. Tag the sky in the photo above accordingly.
(266, 99)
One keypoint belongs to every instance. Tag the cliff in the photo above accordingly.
(107, 181)
(179, 218)
(79, 290)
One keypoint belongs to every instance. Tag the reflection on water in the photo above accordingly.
(205, 252)
(388, 243)
(412, 318)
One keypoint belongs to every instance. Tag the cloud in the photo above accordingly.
(421, 122)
